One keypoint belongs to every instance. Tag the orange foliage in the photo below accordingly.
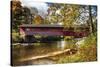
(38, 19)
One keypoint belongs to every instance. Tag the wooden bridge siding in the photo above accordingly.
(43, 31)
(52, 31)
(49, 33)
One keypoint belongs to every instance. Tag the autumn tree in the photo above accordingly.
(38, 20)
(26, 16)
(63, 14)
(70, 13)
(88, 16)
(16, 11)
(19, 14)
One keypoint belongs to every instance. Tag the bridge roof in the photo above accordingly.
(41, 25)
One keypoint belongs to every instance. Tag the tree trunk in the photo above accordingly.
(90, 20)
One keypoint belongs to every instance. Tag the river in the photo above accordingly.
(26, 50)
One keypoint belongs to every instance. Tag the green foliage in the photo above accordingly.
(20, 15)
(63, 13)
(86, 52)
(70, 59)
(70, 13)
(89, 49)
(15, 37)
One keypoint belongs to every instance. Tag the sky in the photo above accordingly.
(41, 6)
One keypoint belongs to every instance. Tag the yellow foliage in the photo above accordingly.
(38, 19)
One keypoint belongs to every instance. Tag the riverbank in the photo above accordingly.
(52, 53)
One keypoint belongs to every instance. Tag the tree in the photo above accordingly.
(26, 15)
(92, 25)
(64, 14)
(38, 20)
(16, 10)
(87, 17)
(69, 13)
(20, 15)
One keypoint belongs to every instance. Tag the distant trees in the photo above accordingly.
(38, 20)
(34, 12)
(26, 15)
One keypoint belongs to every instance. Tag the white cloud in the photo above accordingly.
(41, 6)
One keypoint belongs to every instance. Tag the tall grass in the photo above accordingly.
(87, 52)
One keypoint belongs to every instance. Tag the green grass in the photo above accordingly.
(87, 52)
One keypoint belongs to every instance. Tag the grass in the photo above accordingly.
(87, 52)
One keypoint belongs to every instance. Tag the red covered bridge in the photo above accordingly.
(52, 30)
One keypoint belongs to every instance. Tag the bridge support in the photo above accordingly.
(29, 38)
(61, 44)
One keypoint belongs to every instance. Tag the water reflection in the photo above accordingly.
(26, 50)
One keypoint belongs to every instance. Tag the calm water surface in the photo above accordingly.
(26, 50)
